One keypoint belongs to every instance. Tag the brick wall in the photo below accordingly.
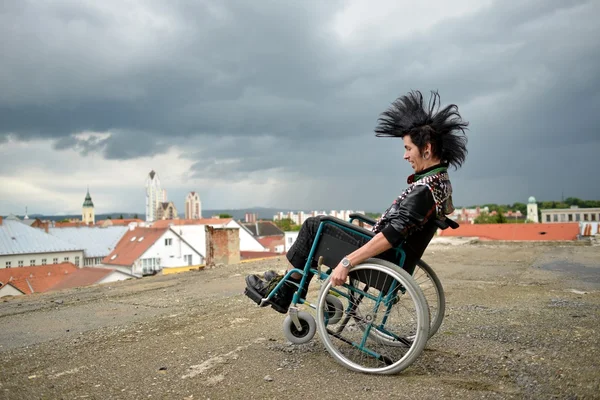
(222, 246)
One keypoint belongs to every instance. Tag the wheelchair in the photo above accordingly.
(380, 320)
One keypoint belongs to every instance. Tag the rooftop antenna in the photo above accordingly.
(25, 217)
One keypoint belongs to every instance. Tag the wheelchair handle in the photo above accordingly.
(362, 218)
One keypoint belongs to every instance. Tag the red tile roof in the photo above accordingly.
(45, 278)
(129, 249)
(566, 231)
(83, 277)
(164, 223)
(68, 224)
(269, 242)
(116, 222)
(37, 279)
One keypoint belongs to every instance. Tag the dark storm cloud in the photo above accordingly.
(256, 87)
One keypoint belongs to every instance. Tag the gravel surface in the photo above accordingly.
(522, 321)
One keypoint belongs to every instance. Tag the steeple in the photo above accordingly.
(88, 200)
(88, 216)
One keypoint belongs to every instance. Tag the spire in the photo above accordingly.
(152, 173)
(88, 199)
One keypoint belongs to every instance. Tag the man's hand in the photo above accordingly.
(339, 275)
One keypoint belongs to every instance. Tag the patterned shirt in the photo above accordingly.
(429, 195)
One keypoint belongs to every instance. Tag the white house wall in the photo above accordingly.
(171, 256)
(290, 238)
(9, 290)
(115, 277)
(38, 257)
(195, 235)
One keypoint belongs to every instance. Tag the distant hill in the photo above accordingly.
(239, 214)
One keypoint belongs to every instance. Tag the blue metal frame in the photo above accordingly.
(400, 254)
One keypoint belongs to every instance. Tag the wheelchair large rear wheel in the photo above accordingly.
(433, 291)
(385, 321)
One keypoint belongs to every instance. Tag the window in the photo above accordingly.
(578, 217)
(168, 242)
(55, 261)
(547, 220)
(585, 217)
(32, 263)
(20, 263)
(77, 261)
(570, 217)
(8, 264)
(593, 217)
(555, 218)
(43, 261)
(187, 258)
(66, 259)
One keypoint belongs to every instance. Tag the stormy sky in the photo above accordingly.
(273, 103)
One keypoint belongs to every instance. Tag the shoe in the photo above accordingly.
(270, 275)
(258, 289)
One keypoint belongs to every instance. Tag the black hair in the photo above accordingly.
(444, 129)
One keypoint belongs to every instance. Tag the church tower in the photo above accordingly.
(87, 213)
(532, 210)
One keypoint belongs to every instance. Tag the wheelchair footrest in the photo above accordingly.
(257, 298)
(253, 295)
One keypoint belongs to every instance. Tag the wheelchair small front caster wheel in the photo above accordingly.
(335, 309)
(307, 330)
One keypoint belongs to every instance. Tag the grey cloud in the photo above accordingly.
(250, 88)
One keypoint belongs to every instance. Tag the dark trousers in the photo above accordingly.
(300, 250)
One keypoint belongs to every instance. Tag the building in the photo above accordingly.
(468, 215)
(268, 235)
(516, 232)
(299, 217)
(250, 217)
(532, 210)
(193, 207)
(289, 239)
(154, 196)
(573, 214)
(24, 246)
(96, 241)
(47, 278)
(166, 210)
(147, 251)
(87, 211)
(194, 232)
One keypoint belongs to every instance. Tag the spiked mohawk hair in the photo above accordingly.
(444, 129)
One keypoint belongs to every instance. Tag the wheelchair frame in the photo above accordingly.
(300, 327)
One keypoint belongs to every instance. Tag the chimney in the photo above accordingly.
(46, 226)
(0, 220)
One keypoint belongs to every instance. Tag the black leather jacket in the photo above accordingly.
(411, 217)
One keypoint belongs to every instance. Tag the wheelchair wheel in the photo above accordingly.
(303, 335)
(335, 309)
(433, 291)
(385, 322)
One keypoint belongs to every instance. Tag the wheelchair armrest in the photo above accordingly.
(362, 218)
(446, 223)
(348, 224)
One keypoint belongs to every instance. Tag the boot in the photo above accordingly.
(258, 289)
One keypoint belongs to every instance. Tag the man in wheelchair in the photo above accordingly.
(434, 139)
